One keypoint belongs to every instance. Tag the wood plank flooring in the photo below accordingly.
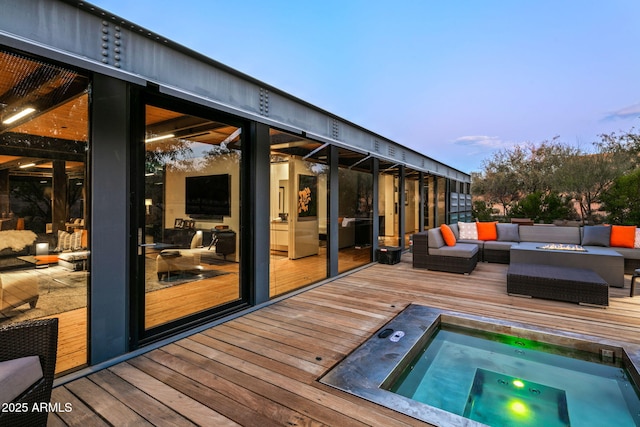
(175, 302)
(262, 368)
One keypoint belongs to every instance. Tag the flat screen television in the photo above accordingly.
(208, 196)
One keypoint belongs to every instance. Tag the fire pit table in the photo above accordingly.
(608, 263)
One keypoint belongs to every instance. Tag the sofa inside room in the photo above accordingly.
(71, 248)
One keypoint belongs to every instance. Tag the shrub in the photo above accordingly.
(622, 200)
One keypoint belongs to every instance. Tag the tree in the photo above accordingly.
(626, 144)
(622, 200)
(511, 174)
(498, 183)
(552, 167)
(482, 211)
(544, 207)
(586, 177)
(538, 166)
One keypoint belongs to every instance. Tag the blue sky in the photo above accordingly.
(455, 80)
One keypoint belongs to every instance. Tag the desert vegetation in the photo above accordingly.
(552, 180)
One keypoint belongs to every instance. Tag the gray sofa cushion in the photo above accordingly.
(478, 243)
(628, 253)
(17, 375)
(550, 234)
(460, 250)
(596, 235)
(498, 245)
(456, 231)
(508, 232)
(435, 238)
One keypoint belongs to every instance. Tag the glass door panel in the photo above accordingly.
(298, 212)
(411, 205)
(355, 210)
(429, 200)
(44, 219)
(190, 238)
(388, 205)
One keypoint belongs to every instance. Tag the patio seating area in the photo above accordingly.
(262, 368)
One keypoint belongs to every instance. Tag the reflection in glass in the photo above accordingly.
(44, 226)
(388, 204)
(192, 215)
(355, 210)
(441, 186)
(411, 204)
(429, 202)
(298, 212)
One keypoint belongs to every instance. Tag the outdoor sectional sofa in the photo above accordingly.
(432, 252)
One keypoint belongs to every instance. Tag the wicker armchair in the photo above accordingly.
(34, 337)
(423, 256)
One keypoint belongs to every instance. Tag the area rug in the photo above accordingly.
(214, 259)
(60, 290)
(179, 278)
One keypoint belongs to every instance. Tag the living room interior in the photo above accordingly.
(43, 197)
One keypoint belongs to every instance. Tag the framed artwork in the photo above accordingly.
(178, 223)
(188, 223)
(307, 197)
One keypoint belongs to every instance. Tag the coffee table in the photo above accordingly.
(40, 260)
(608, 263)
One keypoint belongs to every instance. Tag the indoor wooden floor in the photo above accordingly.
(262, 368)
(177, 301)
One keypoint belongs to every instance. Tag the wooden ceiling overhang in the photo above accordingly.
(58, 127)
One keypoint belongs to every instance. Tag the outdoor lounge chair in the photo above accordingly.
(431, 252)
(24, 379)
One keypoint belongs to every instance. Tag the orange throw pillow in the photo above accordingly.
(447, 235)
(623, 236)
(487, 231)
(84, 240)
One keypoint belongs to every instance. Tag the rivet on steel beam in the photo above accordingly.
(105, 53)
(116, 50)
(105, 45)
(105, 38)
(105, 61)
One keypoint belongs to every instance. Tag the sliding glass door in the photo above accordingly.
(355, 210)
(298, 212)
(44, 220)
(188, 245)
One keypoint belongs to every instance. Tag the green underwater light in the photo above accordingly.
(518, 408)
(498, 399)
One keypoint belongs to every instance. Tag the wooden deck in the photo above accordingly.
(262, 368)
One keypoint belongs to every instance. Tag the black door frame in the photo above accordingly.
(139, 336)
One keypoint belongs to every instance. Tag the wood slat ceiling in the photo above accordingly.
(61, 102)
(160, 121)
